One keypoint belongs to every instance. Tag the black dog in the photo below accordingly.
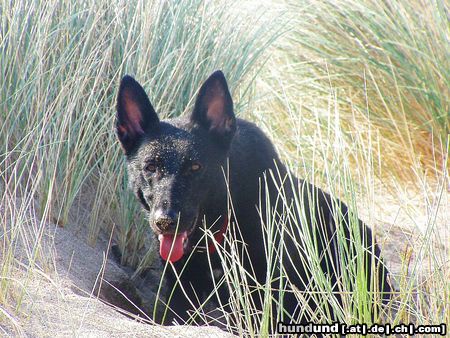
(182, 170)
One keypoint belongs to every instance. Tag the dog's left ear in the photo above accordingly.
(213, 109)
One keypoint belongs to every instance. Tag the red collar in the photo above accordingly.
(219, 236)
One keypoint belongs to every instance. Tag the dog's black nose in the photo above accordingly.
(165, 219)
(165, 224)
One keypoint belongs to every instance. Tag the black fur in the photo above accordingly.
(177, 166)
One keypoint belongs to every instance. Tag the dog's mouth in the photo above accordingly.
(172, 247)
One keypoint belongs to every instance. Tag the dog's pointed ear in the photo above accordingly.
(213, 109)
(135, 114)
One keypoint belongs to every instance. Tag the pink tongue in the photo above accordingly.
(171, 246)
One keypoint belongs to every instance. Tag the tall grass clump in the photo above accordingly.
(388, 63)
(61, 64)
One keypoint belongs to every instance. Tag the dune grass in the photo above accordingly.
(384, 63)
(351, 93)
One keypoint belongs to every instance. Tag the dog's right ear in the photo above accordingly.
(135, 114)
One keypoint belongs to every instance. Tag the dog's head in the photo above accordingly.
(175, 165)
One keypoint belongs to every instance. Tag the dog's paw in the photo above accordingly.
(116, 254)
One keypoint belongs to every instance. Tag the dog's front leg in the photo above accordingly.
(178, 299)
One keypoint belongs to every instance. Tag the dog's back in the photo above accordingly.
(316, 224)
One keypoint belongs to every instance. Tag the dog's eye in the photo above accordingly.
(196, 166)
(150, 167)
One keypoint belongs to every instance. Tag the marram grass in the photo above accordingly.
(350, 92)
